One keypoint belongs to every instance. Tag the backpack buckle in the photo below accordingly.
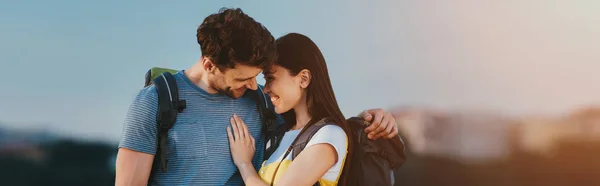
(181, 105)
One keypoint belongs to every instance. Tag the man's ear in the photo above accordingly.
(208, 65)
(305, 78)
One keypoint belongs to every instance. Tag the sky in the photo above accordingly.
(75, 66)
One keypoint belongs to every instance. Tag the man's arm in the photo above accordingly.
(138, 143)
(133, 168)
(383, 124)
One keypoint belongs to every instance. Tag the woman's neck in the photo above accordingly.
(302, 115)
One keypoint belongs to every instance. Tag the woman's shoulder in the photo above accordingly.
(332, 128)
(330, 133)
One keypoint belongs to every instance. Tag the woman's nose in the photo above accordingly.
(267, 89)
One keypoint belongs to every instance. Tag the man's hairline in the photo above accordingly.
(235, 64)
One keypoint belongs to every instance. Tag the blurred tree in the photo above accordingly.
(66, 162)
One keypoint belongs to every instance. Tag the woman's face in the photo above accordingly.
(285, 90)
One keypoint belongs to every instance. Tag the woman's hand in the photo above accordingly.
(241, 143)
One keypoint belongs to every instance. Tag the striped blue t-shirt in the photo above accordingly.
(197, 146)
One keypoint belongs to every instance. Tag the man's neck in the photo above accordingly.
(199, 77)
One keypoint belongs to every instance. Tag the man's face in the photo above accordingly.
(233, 82)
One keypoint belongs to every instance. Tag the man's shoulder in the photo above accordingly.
(149, 90)
(147, 94)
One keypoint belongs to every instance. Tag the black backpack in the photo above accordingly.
(169, 105)
(372, 162)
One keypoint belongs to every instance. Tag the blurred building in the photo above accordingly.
(473, 136)
(477, 135)
(543, 135)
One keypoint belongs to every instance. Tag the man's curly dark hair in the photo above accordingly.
(231, 37)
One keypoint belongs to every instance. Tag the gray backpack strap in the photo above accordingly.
(300, 142)
(269, 122)
(305, 136)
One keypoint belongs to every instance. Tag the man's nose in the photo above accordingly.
(252, 84)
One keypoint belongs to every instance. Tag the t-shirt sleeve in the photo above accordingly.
(139, 128)
(333, 135)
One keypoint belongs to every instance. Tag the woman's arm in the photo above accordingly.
(310, 165)
(306, 169)
(250, 176)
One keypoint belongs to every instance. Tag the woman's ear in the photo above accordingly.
(305, 78)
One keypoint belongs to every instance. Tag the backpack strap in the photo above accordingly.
(148, 78)
(303, 138)
(300, 143)
(269, 119)
(169, 106)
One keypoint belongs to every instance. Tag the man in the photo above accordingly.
(234, 49)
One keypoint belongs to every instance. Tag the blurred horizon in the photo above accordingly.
(400, 111)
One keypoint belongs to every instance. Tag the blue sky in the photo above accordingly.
(74, 66)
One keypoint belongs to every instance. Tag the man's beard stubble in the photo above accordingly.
(224, 89)
(229, 92)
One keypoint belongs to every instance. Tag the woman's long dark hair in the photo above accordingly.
(296, 53)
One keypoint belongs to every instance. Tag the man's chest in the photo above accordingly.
(200, 131)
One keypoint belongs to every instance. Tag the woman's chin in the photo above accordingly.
(280, 110)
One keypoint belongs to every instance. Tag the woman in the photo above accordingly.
(300, 89)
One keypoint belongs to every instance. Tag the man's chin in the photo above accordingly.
(235, 95)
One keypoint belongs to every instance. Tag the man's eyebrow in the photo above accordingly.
(243, 79)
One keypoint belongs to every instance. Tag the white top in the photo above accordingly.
(330, 134)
